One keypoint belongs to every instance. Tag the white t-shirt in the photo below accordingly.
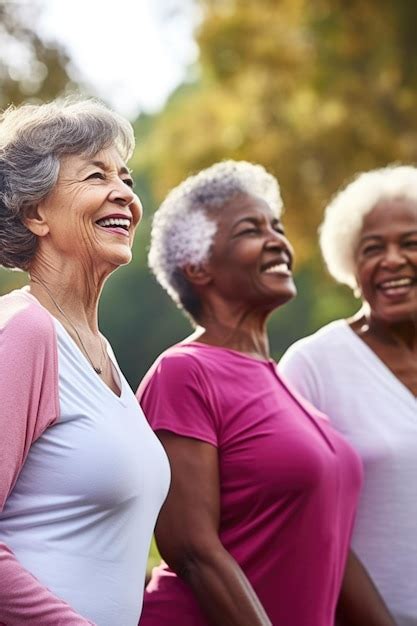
(81, 513)
(339, 374)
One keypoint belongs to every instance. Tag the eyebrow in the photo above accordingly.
(410, 233)
(254, 220)
(103, 166)
(368, 237)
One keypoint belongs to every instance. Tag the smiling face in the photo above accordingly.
(386, 260)
(91, 214)
(251, 258)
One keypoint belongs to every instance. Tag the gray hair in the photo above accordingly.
(342, 225)
(33, 139)
(185, 224)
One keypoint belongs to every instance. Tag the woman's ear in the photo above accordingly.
(34, 219)
(197, 274)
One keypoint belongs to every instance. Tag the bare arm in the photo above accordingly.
(359, 600)
(187, 536)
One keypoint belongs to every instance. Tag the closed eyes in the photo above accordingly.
(249, 231)
(255, 230)
(101, 176)
(96, 175)
(375, 248)
(367, 250)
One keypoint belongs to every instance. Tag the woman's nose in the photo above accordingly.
(277, 242)
(394, 257)
(275, 239)
(122, 194)
(136, 209)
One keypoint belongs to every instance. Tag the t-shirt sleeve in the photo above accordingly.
(176, 395)
(298, 369)
(28, 405)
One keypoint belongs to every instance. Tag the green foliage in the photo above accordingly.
(154, 558)
(42, 74)
(29, 69)
(138, 317)
(315, 91)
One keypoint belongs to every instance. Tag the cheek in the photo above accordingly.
(137, 211)
(245, 254)
(365, 282)
(290, 249)
(364, 271)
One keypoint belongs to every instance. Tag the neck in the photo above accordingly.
(74, 293)
(241, 330)
(401, 333)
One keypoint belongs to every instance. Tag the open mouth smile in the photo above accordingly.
(117, 224)
(396, 287)
(281, 268)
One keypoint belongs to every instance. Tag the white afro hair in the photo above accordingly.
(342, 224)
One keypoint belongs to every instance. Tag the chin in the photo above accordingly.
(120, 257)
(288, 295)
(282, 298)
(397, 315)
(126, 259)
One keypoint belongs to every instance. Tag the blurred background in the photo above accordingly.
(313, 90)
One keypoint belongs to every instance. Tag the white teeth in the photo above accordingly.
(115, 221)
(282, 267)
(400, 282)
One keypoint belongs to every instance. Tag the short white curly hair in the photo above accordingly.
(342, 224)
(185, 224)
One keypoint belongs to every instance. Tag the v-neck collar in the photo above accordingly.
(88, 366)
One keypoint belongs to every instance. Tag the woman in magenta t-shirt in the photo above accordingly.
(256, 528)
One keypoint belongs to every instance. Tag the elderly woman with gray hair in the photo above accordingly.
(256, 527)
(82, 475)
(362, 371)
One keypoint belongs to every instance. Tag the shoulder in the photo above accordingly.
(317, 358)
(177, 395)
(20, 311)
(26, 328)
(180, 363)
(28, 363)
(327, 338)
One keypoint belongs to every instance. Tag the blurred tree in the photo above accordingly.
(315, 91)
(29, 69)
(138, 318)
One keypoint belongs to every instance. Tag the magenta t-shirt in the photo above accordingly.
(289, 483)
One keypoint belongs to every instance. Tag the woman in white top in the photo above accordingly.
(362, 371)
(82, 476)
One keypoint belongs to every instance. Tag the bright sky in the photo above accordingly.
(133, 52)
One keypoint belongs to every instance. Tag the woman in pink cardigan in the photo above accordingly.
(82, 476)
